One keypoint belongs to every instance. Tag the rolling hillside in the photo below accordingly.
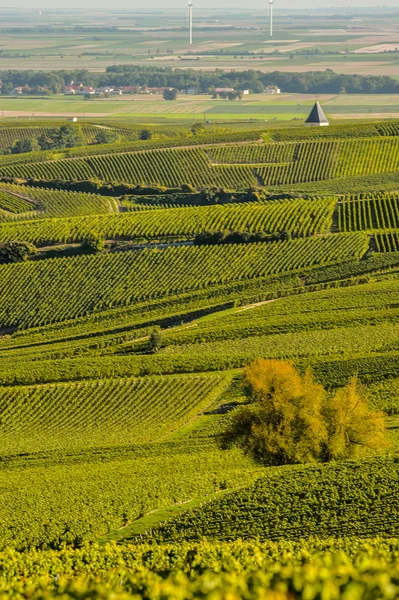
(160, 271)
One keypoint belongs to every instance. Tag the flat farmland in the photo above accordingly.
(256, 106)
(233, 40)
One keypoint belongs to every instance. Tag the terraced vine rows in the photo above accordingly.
(252, 153)
(343, 499)
(387, 242)
(300, 217)
(13, 204)
(172, 168)
(102, 412)
(380, 211)
(9, 135)
(302, 162)
(37, 293)
(58, 203)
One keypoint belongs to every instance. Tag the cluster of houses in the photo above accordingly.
(81, 90)
(85, 90)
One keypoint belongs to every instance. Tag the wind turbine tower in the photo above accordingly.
(271, 17)
(190, 20)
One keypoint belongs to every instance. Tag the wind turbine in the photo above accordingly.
(271, 17)
(190, 20)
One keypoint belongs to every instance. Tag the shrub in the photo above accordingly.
(170, 94)
(106, 136)
(12, 252)
(93, 243)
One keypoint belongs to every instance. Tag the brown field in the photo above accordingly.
(378, 48)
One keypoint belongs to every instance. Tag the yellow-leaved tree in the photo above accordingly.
(284, 422)
(291, 419)
(352, 426)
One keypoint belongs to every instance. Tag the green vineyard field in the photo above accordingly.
(347, 499)
(299, 217)
(285, 164)
(368, 213)
(102, 413)
(123, 344)
(54, 203)
(43, 292)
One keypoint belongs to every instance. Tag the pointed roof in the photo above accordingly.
(317, 115)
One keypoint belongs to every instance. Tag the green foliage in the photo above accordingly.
(60, 289)
(145, 134)
(170, 94)
(338, 499)
(93, 243)
(155, 340)
(302, 217)
(26, 145)
(13, 252)
(353, 569)
(67, 136)
(106, 136)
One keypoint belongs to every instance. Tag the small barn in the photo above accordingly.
(317, 118)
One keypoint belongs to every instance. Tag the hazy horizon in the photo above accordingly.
(103, 5)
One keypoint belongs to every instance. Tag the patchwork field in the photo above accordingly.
(264, 107)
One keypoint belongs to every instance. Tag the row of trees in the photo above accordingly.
(291, 418)
(211, 238)
(203, 81)
(66, 136)
(15, 251)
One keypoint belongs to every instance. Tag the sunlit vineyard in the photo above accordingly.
(210, 570)
(284, 163)
(387, 242)
(353, 499)
(48, 291)
(252, 154)
(123, 343)
(167, 167)
(56, 203)
(299, 217)
(103, 412)
(14, 204)
(378, 212)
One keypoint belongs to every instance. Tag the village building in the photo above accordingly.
(272, 89)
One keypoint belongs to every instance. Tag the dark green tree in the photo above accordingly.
(106, 136)
(145, 134)
(170, 94)
(13, 252)
(21, 146)
(155, 340)
(93, 243)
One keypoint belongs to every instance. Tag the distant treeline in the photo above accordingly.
(314, 82)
